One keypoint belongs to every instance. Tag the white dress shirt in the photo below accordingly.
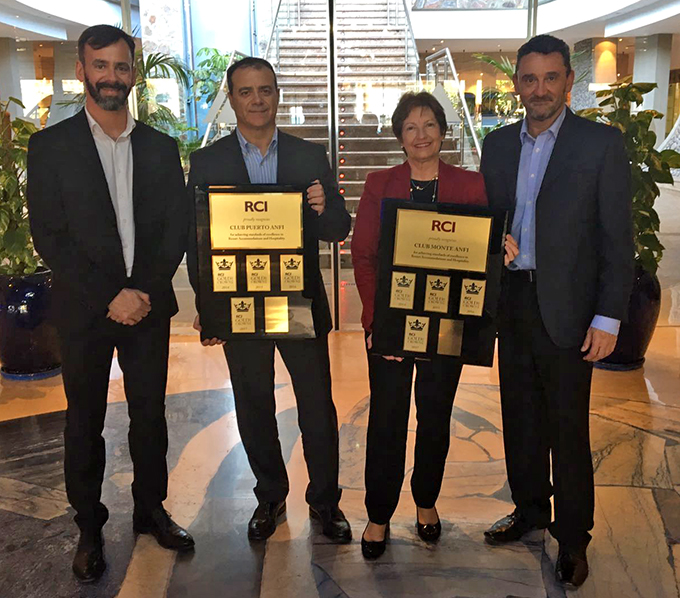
(116, 159)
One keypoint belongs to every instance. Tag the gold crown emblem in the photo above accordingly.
(292, 264)
(417, 325)
(473, 289)
(404, 282)
(259, 264)
(225, 265)
(242, 306)
(438, 285)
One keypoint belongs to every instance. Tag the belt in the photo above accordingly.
(523, 275)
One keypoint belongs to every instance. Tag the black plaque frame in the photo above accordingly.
(479, 332)
(215, 307)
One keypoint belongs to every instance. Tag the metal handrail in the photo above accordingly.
(409, 27)
(271, 35)
(445, 52)
(223, 87)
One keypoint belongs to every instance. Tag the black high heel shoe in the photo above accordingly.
(428, 532)
(372, 550)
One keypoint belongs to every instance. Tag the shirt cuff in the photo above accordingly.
(606, 324)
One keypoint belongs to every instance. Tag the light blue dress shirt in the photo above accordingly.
(533, 163)
(261, 169)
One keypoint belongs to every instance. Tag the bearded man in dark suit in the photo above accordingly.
(108, 214)
(566, 182)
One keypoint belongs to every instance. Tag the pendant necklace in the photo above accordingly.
(434, 182)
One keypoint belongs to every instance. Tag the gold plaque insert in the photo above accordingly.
(403, 290)
(425, 239)
(258, 270)
(243, 315)
(472, 297)
(276, 314)
(450, 338)
(224, 273)
(292, 273)
(415, 333)
(437, 293)
(255, 220)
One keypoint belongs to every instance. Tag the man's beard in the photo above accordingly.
(110, 103)
(548, 109)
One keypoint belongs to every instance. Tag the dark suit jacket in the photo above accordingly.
(73, 221)
(584, 238)
(299, 163)
(455, 186)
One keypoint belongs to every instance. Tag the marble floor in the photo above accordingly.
(635, 432)
(635, 552)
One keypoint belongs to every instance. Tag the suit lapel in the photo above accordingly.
(138, 152)
(283, 167)
(565, 145)
(234, 157)
(399, 184)
(513, 156)
(104, 216)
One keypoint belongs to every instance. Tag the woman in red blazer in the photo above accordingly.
(419, 124)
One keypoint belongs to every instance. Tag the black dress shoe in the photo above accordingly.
(263, 522)
(510, 529)
(572, 567)
(372, 550)
(89, 564)
(334, 523)
(167, 533)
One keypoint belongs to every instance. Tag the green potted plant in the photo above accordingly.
(649, 167)
(28, 341)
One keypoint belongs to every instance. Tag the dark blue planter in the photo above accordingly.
(28, 340)
(636, 334)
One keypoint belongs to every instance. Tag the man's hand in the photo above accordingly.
(369, 344)
(598, 344)
(129, 307)
(511, 249)
(316, 197)
(209, 342)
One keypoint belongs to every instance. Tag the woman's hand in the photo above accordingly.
(369, 344)
(511, 249)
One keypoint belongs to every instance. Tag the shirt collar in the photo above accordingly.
(95, 127)
(246, 146)
(554, 129)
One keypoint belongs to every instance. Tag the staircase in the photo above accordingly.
(376, 63)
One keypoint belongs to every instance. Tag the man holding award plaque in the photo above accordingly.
(257, 153)
(567, 182)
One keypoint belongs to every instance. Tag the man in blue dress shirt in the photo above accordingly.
(258, 153)
(565, 291)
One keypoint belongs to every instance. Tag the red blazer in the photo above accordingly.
(455, 186)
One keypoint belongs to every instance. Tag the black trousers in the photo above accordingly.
(390, 385)
(545, 397)
(251, 365)
(86, 365)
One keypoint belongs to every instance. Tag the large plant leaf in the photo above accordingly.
(671, 157)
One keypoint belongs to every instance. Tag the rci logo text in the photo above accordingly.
(256, 206)
(446, 226)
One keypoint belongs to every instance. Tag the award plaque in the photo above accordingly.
(438, 281)
(251, 264)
